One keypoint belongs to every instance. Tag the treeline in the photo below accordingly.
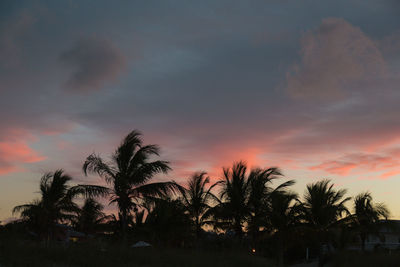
(252, 209)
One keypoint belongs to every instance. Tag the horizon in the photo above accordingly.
(310, 88)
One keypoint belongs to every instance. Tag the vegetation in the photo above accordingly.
(367, 216)
(90, 219)
(197, 199)
(243, 218)
(56, 204)
(283, 218)
(321, 211)
(128, 174)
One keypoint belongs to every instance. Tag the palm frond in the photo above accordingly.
(88, 191)
(147, 170)
(159, 189)
(95, 164)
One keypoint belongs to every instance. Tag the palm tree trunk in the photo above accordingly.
(238, 228)
(198, 228)
(198, 231)
(280, 251)
(322, 239)
(320, 259)
(363, 238)
(124, 224)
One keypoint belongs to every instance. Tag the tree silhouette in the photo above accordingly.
(56, 203)
(128, 174)
(367, 216)
(91, 218)
(323, 205)
(197, 199)
(233, 210)
(244, 197)
(283, 218)
(167, 221)
(322, 208)
(260, 192)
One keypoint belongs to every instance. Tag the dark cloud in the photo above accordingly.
(13, 33)
(94, 62)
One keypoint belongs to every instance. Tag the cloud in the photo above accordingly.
(336, 58)
(387, 161)
(390, 44)
(94, 62)
(13, 153)
(389, 174)
(12, 34)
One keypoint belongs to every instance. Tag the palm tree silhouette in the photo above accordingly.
(56, 203)
(283, 218)
(128, 174)
(244, 197)
(260, 192)
(233, 210)
(167, 221)
(367, 216)
(323, 205)
(322, 209)
(197, 199)
(91, 218)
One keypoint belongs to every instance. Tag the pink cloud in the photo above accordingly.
(334, 58)
(335, 167)
(361, 163)
(389, 174)
(15, 151)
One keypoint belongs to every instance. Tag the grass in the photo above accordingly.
(95, 255)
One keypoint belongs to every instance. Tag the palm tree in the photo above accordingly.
(244, 197)
(261, 190)
(322, 209)
(323, 205)
(167, 221)
(56, 203)
(233, 210)
(34, 215)
(283, 217)
(197, 199)
(128, 174)
(367, 216)
(90, 218)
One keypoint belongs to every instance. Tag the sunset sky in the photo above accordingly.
(312, 87)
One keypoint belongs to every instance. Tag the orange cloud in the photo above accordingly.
(13, 153)
(335, 167)
(389, 174)
(388, 160)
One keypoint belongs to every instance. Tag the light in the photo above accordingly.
(253, 250)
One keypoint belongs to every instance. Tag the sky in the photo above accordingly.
(311, 87)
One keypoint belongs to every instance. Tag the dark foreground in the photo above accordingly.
(31, 254)
(368, 259)
(89, 255)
